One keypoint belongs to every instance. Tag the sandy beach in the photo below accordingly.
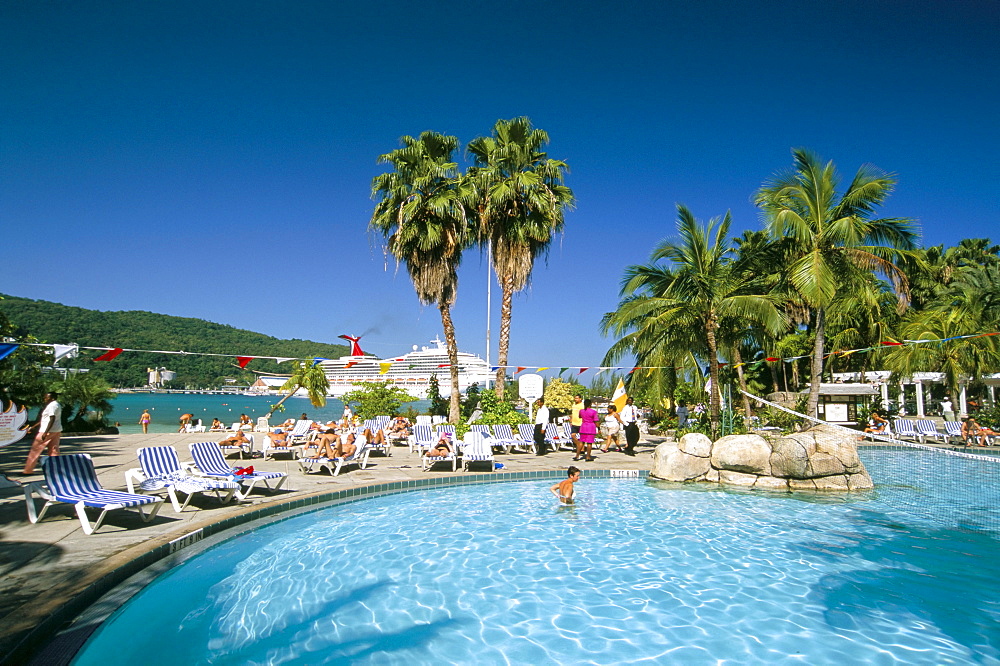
(52, 567)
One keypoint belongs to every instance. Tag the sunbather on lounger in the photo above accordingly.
(442, 449)
(236, 440)
(877, 425)
(217, 426)
(278, 437)
(335, 446)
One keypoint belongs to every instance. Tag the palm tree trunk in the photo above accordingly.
(454, 411)
(506, 305)
(817, 363)
(275, 407)
(738, 358)
(715, 402)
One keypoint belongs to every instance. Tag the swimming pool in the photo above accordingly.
(635, 571)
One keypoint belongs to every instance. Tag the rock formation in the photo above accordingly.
(820, 458)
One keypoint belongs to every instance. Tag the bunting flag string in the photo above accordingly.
(111, 353)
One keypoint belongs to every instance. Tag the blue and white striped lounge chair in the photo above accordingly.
(503, 435)
(556, 439)
(375, 425)
(450, 429)
(359, 458)
(208, 461)
(478, 449)
(422, 438)
(486, 432)
(527, 433)
(161, 470)
(952, 429)
(928, 429)
(72, 479)
(905, 428)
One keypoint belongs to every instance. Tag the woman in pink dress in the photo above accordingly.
(588, 429)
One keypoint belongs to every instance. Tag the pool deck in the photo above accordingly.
(47, 565)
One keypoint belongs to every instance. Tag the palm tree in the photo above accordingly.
(832, 237)
(308, 375)
(519, 200)
(420, 213)
(666, 307)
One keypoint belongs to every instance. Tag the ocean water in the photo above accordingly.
(635, 572)
(166, 409)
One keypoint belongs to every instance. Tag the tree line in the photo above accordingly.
(825, 274)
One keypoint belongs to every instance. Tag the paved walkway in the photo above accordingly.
(46, 565)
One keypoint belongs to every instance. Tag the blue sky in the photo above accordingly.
(214, 160)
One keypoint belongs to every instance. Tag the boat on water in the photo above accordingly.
(411, 372)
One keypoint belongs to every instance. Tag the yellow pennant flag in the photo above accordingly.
(384, 368)
(620, 396)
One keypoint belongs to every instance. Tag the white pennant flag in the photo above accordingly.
(65, 351)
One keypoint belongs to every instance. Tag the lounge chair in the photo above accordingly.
(452, 457)
(952, 429)
(195, 425)
(905, 428)
(527, 433)
(503, 435)
(161, 470)
(297, 436)
(477, 449)
(422, 438)
(556, 439)
(208, 461)
(928, 429)
(359, 457)
(243, 449)
(375, 425)
(263, 424)
(72, 479)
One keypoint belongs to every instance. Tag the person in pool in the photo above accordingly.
(564, 489)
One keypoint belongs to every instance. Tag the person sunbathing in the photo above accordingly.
(971, 430)
(400, 428)
(442, 449)
(238, 439)
(335, 446)
(278, 437)
(377, 438)
(217, 426)
(877, 425)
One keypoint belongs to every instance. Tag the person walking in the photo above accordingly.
(947, 410)
(682, 414)
(574, 425)
(49, 431)
(541, 420)
(144, 421)
(630, 419)
(588, 429)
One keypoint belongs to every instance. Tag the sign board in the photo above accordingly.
(12, 421)
(531, 387)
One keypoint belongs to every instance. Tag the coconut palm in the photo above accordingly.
(832, 236)
(307, 375)
(686, 300)
(420, 213)
(519, 198)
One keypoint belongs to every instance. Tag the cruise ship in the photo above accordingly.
(411, 372)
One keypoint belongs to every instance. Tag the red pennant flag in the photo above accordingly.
(110, 355)
(633, 369)
(243, 360)
(444, 365)
(520, 368)
(893, 344)
(772, 359)
(582, 370)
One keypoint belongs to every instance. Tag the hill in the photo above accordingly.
(63, 324)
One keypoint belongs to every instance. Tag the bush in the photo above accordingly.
(377, 399)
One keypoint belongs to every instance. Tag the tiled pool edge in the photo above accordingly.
(49, 635)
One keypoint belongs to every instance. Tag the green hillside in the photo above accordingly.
(62, 324)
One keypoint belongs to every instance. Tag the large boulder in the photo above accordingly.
(822, 458)
(750, 454)
(672, 464)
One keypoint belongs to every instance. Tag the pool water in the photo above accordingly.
(636, 571)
